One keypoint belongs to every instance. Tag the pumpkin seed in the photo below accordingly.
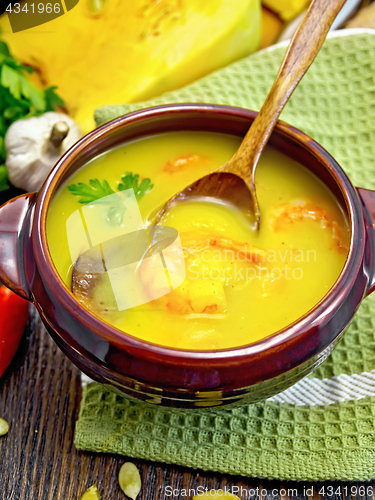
(130, 480)
(4, 427)
(91, 494)
(219, 494)
(97, 6)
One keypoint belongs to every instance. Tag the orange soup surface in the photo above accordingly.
(206, 281)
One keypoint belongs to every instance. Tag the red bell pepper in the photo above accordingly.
(14, 313)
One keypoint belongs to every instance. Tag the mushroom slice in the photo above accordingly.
(107, 278)
(91, 285)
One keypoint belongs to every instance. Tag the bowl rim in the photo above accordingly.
(331, 300)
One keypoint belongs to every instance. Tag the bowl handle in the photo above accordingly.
(13, 240)
(368, 204)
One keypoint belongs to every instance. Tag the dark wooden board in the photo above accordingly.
(39, 397)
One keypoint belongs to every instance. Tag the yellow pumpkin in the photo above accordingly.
(118, 51)
(271, 27)
(287, 9)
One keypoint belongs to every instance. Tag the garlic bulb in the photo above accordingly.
(33, 146)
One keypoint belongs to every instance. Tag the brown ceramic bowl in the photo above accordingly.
(168, 376)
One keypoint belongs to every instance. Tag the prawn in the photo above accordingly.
(197, 296)
(244, 252)
(183, 162)
(291, 213)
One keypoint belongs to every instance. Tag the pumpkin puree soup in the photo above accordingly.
(238, 286)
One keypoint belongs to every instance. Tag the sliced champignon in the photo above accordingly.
(128, 266)
(91, 285)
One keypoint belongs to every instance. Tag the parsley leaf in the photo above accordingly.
(4, 50)
(3, 178)
(131, 181)
(91, 193)
(10, 79)
(53, 100)
(19, 98)
(116, 214)
(99, 189)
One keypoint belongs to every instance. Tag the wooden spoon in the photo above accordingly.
(234, 181)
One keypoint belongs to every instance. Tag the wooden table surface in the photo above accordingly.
(39, 397)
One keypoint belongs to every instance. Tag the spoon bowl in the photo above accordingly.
(226, 186)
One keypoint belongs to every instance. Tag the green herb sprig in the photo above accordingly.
(96, 190)
(19, 98)
(130, 181)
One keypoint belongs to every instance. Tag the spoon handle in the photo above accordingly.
(304, 46)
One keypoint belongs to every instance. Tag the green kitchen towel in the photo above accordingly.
(322, 428)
